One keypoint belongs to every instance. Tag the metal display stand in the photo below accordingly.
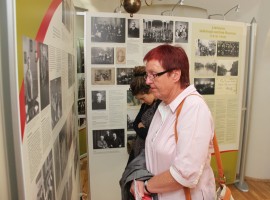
(242, 185)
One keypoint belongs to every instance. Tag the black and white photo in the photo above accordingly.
(99, 100)
(81, 107)
(44, 75)
(102, 55)
(110, 138)
(81, 85)
(157, 31)
(206, 47)
(227, 68)
(133, 28)
(124, 76)
(181, 32)
(107, 29)
(227, 49)
(205, 68)
(31, 99)
(205, 86)
(56, 100)
(103, 76)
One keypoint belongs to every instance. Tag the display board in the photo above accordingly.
(116, 43)
(46, 61)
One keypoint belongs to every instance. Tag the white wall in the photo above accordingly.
(258, 160)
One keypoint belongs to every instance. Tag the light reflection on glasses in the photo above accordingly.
(151, 77)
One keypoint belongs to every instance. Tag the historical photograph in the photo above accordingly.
(205, 68)
(57, 162)
(45, 180)
(99, 100)
(44, 75)
(124, 76)
(71, 70)
(205, 86)
(157, 31)
(81, 85)
(227, 68)
(63, 149)
(181, 32)
(120, 55)
(111, 138)
(56, 100)
(107, 29)
(103, 76)
(205, 47)
(30, 79)
(81, 123)
(81, 107)
(227, 49)
(133, 28)
(132, 100)
(102, 55)
(67, 17)
(80, 55)
(131, 115)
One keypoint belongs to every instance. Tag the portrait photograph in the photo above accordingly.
(56, 100)
(81, 107)
(81, 85)
(133, 28)
(181, 32)
(120, 55)
(31, 89)
(44, 75)
(99, 100)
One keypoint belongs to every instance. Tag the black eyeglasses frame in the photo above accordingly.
(153, 76)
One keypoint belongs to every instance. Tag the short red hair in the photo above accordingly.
(171, 57)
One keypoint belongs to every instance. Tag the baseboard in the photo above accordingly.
(257, 179)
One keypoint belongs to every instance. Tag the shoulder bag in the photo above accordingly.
(223, 192)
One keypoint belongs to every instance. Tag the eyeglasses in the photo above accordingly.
(153, 76)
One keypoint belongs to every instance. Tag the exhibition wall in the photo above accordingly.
(217, 55)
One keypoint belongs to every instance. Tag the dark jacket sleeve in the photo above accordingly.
(141, 132)
(136, 169)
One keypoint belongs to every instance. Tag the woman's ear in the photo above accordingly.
(176, 74)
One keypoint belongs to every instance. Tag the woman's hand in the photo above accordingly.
(140, 125)
(140, 188)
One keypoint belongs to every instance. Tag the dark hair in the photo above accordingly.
(138, 84)
(171, 57)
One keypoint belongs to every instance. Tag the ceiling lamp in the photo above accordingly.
(132, 6)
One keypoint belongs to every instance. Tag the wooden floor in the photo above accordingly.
(258, 190)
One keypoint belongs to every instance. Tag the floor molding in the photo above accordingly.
(257, 179)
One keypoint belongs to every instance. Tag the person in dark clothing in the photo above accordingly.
(108, 138)
(116, 142)
(141, 91)
(133, 31)
(99, 103)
